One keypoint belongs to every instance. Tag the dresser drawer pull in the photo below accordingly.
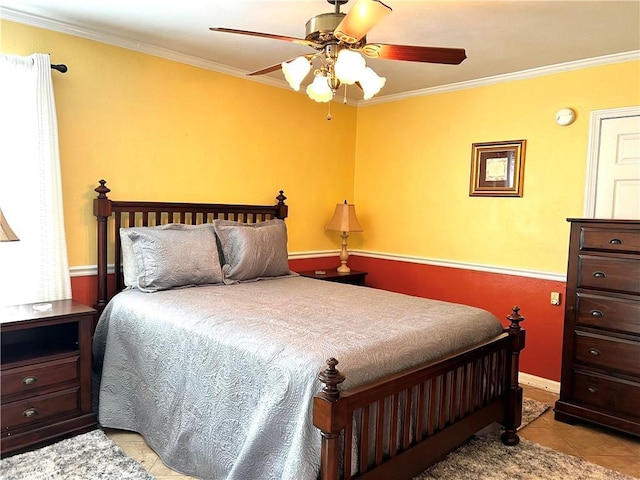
(616, 241)
(594, 351)
(596, 313)
(592, 390)
(30, 412)
(29, 380)
(599, 274)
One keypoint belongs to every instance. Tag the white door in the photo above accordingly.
(613, 186)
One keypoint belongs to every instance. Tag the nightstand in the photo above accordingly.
(45, 374)
(354, 277)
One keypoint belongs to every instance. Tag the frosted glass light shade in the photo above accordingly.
(295, 71)
(371, 83)
(349, 67)
(319, 90)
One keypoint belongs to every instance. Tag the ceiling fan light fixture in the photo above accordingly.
(371, 83)
(319, 90)
(349, 66)
(295, 71)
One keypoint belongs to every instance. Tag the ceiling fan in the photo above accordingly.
(340, 43)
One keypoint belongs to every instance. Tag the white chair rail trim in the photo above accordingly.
(88, 270)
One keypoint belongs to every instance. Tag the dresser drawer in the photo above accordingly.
(607, 393)
(609, 353)
(612, 313)
(39, 375)
(607, 239)
(608, 273)
(40, 408)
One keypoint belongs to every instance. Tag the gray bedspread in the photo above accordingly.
(220, 379)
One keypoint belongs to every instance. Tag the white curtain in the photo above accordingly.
(36, 268)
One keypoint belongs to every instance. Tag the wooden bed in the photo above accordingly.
(405, 422)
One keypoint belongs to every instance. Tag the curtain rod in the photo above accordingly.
(62, 68)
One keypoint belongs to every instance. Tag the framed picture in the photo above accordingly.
(497, 169)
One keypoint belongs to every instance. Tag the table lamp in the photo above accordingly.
(6, 234)
(344, 220)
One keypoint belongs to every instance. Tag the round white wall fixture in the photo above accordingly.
(565, 116)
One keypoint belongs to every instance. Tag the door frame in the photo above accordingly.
(595, 126)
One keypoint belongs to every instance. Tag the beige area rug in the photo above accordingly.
(91, 456)
(94, 456)
(485, 457)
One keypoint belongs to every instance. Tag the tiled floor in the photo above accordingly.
(611, 450)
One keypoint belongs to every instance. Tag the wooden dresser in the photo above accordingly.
(45, 374)
(601, 345)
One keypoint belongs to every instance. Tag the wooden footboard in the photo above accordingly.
(400, 425)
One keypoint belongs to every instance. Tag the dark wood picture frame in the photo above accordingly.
(497, 169)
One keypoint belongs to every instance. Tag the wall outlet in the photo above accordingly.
(555, 298)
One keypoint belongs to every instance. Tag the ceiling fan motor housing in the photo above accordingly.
(319, 29)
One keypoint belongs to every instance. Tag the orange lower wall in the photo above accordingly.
(494, 292)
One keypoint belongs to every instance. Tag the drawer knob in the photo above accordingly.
(594, 351)
(616, 241)
(599, 274)
(596, 313)
(592, 390)
(29, 380)
(30, 413)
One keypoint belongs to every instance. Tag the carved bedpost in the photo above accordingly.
(283, 210)
(102, 211)
(513, 413)
(330, 419)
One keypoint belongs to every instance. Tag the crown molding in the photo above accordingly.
(510, 77)
(143, 47)
(150, 49)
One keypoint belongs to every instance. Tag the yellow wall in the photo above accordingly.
(161, 130)
(413, 161)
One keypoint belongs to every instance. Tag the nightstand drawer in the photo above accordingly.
(610, 353)
(39, 375)
(608, 239)
(612, 313)
(40, 408)
(607, 393)
(608, 273)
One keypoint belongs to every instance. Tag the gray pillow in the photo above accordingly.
(253, 250)
(129, 263)
(175, 257)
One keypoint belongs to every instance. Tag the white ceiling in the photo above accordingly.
(500, 37)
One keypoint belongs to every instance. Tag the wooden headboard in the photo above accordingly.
(143, 214)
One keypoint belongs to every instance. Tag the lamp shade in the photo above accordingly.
(344, 219)
(295, 71)
(319, 90)
(349, 66)
(6, 234)
(371, 83)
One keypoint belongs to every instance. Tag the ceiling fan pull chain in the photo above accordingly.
(329, 117)
(345, 94)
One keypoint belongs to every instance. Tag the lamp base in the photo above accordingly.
(343, 269)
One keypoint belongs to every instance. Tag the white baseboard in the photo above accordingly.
(539, 382)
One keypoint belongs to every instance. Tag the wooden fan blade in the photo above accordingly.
(300, 41)
(278, 66)
(269, 69)
(412, 53)
(362, 17)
